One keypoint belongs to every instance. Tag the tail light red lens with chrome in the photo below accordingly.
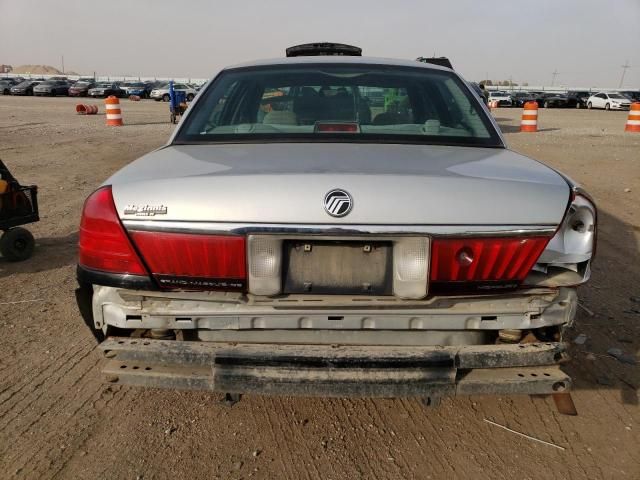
(484, 259)
(103, 244)
(218, 262)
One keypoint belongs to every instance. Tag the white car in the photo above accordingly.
(162, 93)
(609, 101)
(503, 99)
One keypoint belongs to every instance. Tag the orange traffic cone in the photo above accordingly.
(633, 122)
(529, 122)
(82, 109)
(114, 114)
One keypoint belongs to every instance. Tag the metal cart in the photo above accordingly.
(18, 206)
(177, 103)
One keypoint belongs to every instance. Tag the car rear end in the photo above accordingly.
(336, 256)
(44, 88)
(158, 92)
(80, 89)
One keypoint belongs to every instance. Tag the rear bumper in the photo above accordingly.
(343, 371)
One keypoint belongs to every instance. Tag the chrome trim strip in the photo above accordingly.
(217, 228)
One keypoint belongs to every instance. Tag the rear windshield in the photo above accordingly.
(328, 102)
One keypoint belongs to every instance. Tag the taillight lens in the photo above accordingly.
(189, 261)
(484, 259)
(104, 244)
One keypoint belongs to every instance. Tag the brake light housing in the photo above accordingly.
(491, 261)
(103, 242)
(194, 262)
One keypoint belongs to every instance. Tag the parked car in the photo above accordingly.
(81, 88)
(141, 89)
(609, 101)
(554, 100)
(633, 95)
(5, 87)
(106, 89)
(162, 93)
(52, 88)
(578, 98)
(520, 98)
(280, 244)
(26, 87)
(7, 83)
(503, 98)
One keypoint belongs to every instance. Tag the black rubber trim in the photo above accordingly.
(433, 361)
(131, 282)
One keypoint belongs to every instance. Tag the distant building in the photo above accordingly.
(6, 68)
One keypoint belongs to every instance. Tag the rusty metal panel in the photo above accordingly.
(516, 355)
(512, 381)
(333, 371)
(206, 353)
(158, 376)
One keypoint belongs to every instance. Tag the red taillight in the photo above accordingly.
(484, 259)
(103, 242)
(179, 260)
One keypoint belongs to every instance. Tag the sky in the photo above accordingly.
(585, 41)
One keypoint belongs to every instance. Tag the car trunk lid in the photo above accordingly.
(389, 184)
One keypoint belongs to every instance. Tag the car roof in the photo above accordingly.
(346, 59)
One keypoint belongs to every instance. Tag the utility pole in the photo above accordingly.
(62, 63)
(553, 77)
(624, 70)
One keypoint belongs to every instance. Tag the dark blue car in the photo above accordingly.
(140, 89)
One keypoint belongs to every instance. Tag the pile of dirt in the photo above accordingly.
(40, 70)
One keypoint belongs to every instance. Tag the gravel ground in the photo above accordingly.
(57, 420)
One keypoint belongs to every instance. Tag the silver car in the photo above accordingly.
(162, 93)
(294, 237)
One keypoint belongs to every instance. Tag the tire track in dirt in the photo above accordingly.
(339, 446)
(85, 418)
(26, 386)
(37, 390)
(279, 430)
(57, 445)
(46, 419)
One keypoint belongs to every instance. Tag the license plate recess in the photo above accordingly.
(338, 267)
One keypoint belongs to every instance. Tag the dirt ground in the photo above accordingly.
(57, 420)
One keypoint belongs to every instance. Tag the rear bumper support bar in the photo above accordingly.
(353, 371)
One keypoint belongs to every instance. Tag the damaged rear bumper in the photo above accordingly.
(337, 371)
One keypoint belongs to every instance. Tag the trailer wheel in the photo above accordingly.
(17, 244)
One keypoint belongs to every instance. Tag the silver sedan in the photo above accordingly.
(336, 225)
